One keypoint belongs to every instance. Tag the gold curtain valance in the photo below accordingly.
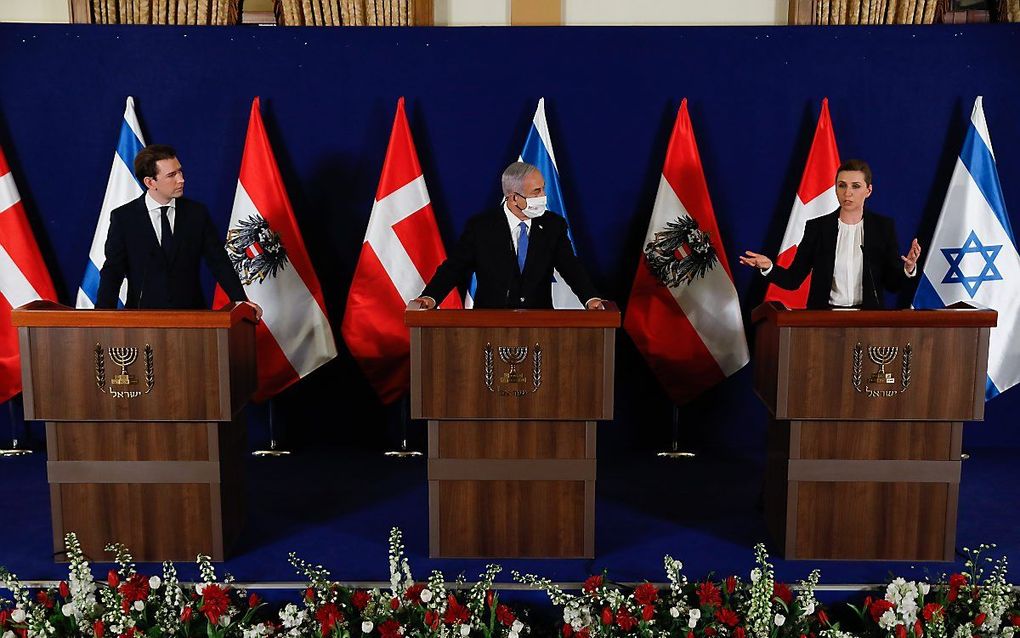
(361, 13)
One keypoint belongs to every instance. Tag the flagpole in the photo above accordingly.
(273, 450)
(675, 452)
(14, 450)
(404, 452)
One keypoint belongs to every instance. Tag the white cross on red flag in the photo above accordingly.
(23, 277)
(265, 245)
(401, 252)
(815, 197)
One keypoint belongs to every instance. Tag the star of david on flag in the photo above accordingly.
(955, 257)
(973, 255)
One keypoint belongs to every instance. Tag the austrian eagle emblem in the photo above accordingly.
(680, 252)
(255, 250)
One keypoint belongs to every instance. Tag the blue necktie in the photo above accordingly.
(522, 245)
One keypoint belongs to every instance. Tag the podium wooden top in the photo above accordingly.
(608, 318)
(54, 315)
(780, 315)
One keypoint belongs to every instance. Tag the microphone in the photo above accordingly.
(871, 277)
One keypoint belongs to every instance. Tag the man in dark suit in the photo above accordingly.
(158, 240)
(513, 250)
(851, 253)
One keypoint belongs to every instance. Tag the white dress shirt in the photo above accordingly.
(848, 272)
(515, 226)
(155, 217)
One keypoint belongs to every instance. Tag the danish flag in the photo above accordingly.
(815, 197)
(401, 251)
(23, 277)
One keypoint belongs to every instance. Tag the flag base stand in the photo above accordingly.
(403, 452)
(674, 452)
(272, 451)
(14, 450)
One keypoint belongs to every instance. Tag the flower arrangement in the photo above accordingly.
(979, 603)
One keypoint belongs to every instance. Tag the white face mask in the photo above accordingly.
(535, 207)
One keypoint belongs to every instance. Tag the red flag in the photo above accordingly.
(23, 277)
(683, 313)
(401, 252)
(268, 252)
(815, 197)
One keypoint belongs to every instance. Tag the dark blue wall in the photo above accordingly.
(900, 97)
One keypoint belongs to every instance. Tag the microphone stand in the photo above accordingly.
(675, 452)
(273, 450)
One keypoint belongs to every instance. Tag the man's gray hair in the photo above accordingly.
(513, 177)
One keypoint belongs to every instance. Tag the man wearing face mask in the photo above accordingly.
(513, 250)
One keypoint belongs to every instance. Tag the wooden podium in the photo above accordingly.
(868, 410)
(511, 398)
(144, 432)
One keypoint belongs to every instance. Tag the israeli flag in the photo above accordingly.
(973, 256)
(538, 151)
(121, 188)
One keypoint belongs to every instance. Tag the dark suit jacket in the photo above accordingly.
(155, 281)
(487, 248)
(816, 254)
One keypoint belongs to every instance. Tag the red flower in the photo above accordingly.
(879, 607)
(980, 619)
(783, 593)
(1015, 620)
(624, 620)
(98, 627)
(5, 615)
(432, 620)
(130, 633)
(455, 612)
(731, 584)
(823, 618)
(592, 583)
(394, 603)
(607, 616)
(214, 602)
(901, 631)
(708, 595)
(490, 598)
(739, 633)
(647, 612)
(136, 587)
(727, 617)
(504, 615)
(584, 633)
(957, 580)
(932, 610)
(568, 631)
(646, 593)
(710, 631)
(186, 614)
(390, 629)
(360, 599)
(690, 634)
(309, 594)
(65, 591)
(413, 593)
(254, 601)
(918, 629)
(44, 599)
(328, 616)
(125, 605)
(112, 579)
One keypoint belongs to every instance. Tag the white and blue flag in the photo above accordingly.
(121, 188)
(973, 256)
(538, 151)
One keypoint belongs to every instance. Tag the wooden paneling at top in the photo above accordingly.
(126, 441)
(452, 375)
(904, 440)
(512, 439)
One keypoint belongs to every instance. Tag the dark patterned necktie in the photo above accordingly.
(166, 234)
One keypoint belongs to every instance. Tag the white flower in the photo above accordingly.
(155, 582)
(465, 629)
(692, 623)
(139, 605)
(224, 620)
(888, 619)
(925, 588)
(18, 615)
(426, 595)
(695, 614)
(780, 620)
(809, 608)
(8, 634)
(199, 587)
(367, 627)
(67, 609)
(512, 634)
(517, 627)
(674, 612)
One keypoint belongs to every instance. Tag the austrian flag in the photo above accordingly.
(683, 313)
(266, 248)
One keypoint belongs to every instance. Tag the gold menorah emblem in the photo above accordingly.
(513, 356)
(123, 357)
(882, 356)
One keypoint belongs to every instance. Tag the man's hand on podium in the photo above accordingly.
(595, 304)
(257, 308)
(425, 303)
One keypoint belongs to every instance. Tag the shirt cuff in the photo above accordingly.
(764, 273)
(911, 274)
(591, 300)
